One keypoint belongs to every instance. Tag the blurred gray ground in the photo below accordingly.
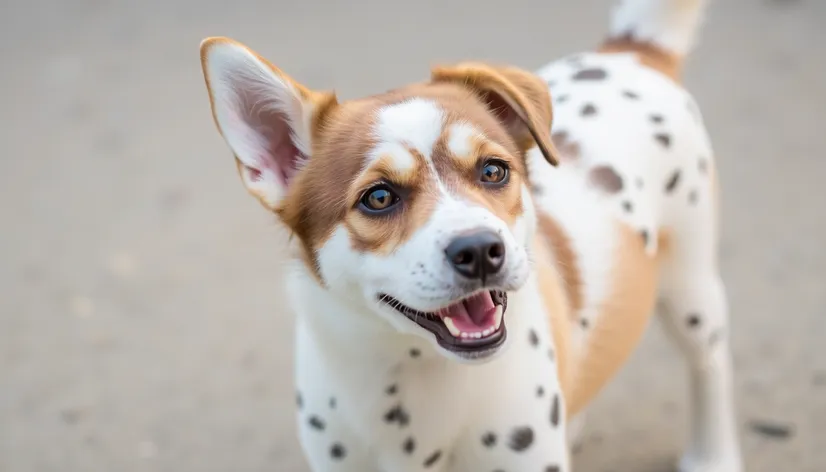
(141, 322)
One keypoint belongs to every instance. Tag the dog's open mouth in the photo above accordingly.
(468, 325)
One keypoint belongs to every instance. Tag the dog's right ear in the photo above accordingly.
(267, 119)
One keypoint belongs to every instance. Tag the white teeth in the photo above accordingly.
(497, 317)
(457, 333)
(451, 327)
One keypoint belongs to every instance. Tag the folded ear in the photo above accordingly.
(267, 119)
(518, 98)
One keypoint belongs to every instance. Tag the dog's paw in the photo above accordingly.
(695, 463)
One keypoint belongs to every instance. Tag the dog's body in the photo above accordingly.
(627, 215)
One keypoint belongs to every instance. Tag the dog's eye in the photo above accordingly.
(379, 198)
(494, 172)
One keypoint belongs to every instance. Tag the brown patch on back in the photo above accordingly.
(568, 148)
(606, 178)
(621, 322)
(649, 54)
(567, 265)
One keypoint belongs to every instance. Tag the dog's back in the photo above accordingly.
(633, 208)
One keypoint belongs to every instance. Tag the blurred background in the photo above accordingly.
(142, 326)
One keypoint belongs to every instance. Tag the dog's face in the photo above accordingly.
(414, 203)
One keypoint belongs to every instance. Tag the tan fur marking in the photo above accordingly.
(566, 262)
(622, 320)
(550, 287)
(649, 54)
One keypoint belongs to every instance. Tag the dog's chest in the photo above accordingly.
(409, 409)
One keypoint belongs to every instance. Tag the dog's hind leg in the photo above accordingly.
(694, 311)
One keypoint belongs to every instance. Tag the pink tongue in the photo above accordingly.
(477, 311)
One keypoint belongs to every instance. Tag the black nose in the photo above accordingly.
(477, 255)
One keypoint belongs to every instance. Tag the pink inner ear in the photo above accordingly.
(271, 128)
(500, 108)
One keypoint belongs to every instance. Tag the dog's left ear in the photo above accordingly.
(519, 99)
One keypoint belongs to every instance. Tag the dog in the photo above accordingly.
(475, 260)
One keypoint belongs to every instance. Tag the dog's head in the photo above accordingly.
(415, 202)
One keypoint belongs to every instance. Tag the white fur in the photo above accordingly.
(460, 139)
(672, 24)
(416, 122)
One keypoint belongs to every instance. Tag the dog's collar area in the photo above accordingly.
(470, 325)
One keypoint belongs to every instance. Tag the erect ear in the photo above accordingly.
(266, 118)
(518, 98)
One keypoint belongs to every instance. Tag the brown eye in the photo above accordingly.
(379, 199)
(494, 172)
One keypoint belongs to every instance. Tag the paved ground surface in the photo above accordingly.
(141, 322)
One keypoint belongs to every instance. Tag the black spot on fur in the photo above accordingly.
(316, 423)
(562, 98)
(432, 459)
(584, 323)
(590, 74)
(664, 139)
(409, 445)
(692, 197)
(552, 468)
(299, 400)
(555, 411)
(397, 414)
(630, 95)
(333, 403)
(693, 320)
(540, 391)
(672, 182)
(414, 353)
(656, 118)
(644, 236)
(337, 451)
(521, 438)
(533, 338)
(588, 110)
(627, 206)
(392, 389)
(489, 439)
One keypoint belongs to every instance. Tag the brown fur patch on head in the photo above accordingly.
(326, 192)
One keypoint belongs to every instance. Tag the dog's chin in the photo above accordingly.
(470, 329)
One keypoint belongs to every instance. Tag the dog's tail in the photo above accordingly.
(661, 32)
